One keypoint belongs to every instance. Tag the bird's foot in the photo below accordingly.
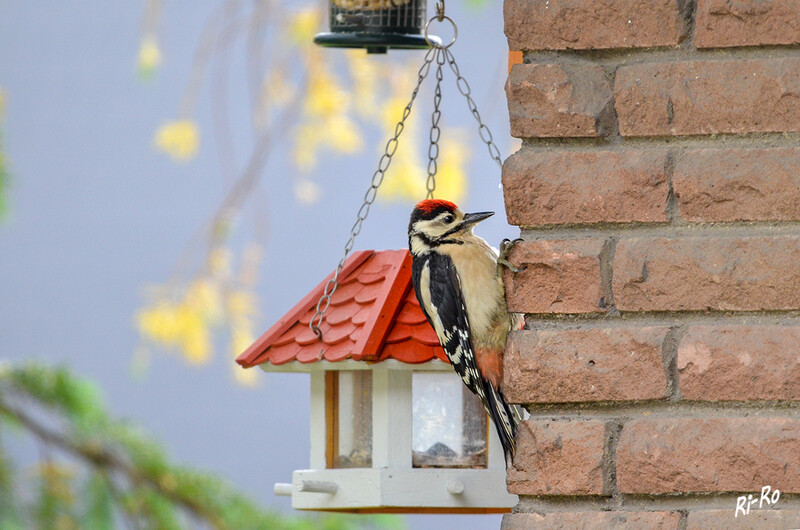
(505, 249)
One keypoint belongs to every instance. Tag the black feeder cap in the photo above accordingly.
(375, 42)
(377, 25)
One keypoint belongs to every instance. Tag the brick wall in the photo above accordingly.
(658, 194)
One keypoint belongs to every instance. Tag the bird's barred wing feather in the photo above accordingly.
(447, 313)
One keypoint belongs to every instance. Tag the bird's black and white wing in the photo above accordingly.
(438, 291)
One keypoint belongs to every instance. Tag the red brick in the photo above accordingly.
(557, 99)
(723, 23)
(681, 455)
(757, 518)
(700, 273)
(738, 184)
(558, 458)
(554, 187)
(591, 520)
(709, 97)
(609, 364)
(561, 277)
(740, 363)
(591, 24)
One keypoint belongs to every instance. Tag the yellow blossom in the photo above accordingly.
(246, 376)
(407, 176)
(325, 96)
(327, 120)
(342, 135)
(203, 297)
(179, 139)
(365, 73)
(307, 140)
(159, 323)
(195, 337)
(241, 335)
(451, 177)
(149, 56)
(392, 113)
(337, 132)
(304, 25)
(241, 303)
(185, 324)
(241, 339)
(405, 179)
(219, 262)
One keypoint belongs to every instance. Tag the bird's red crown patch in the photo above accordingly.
(429, 205)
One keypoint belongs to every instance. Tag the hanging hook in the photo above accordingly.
(434, 42)
(440, 10)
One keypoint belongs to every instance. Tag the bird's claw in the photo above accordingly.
(505, 249)
(510, 267)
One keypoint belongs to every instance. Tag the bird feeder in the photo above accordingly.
(376, 25)
(393, 429)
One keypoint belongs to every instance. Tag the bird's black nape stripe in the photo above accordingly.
(458, 228)
(452, 230)
(436, 242)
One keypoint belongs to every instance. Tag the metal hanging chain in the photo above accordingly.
(435, 133)
(369, 197)
(483, 130)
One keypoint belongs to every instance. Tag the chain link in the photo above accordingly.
(369, 197)
(483, 130)
(435, 133)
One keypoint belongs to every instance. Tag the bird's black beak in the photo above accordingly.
(472, 218)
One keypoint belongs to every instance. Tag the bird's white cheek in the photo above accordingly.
(417, 246)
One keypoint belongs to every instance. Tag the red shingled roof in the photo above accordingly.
(374, 315)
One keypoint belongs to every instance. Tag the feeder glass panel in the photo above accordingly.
(448, 422)
(354, 417)
(377, 25)
(377, 16)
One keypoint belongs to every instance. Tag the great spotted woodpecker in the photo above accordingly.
(457, 279)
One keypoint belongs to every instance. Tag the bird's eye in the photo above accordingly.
(448, 219)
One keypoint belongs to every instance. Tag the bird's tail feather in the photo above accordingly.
(504, 419)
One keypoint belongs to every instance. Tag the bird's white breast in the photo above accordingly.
(481, 286)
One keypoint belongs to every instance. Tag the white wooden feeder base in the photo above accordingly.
(398, 490)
